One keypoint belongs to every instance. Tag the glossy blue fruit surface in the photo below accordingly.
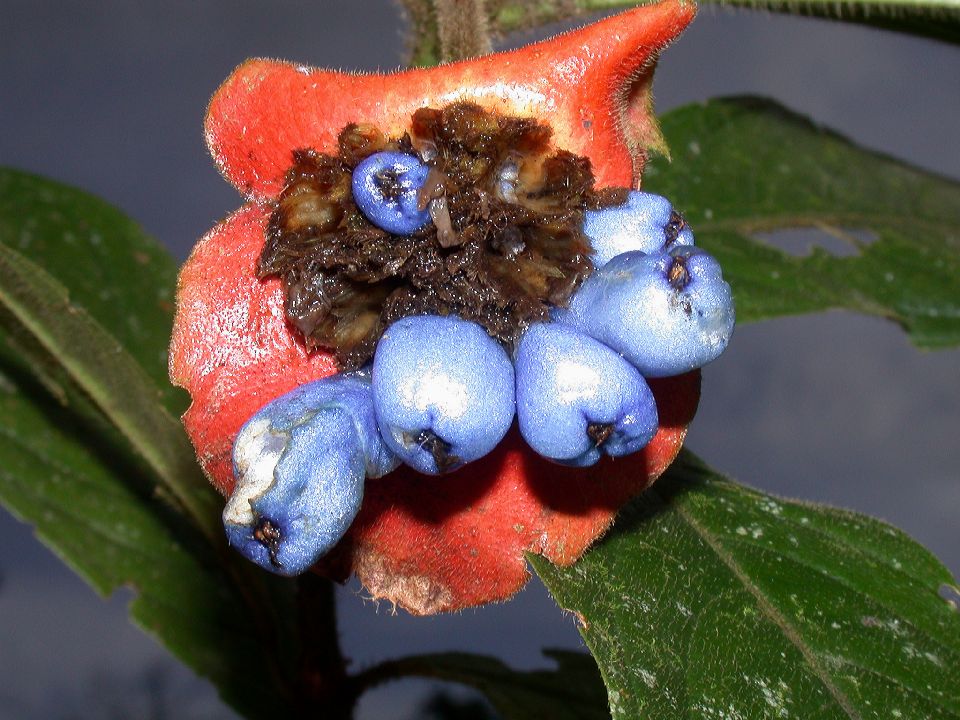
(443, 391)
(385, 188)
(300, 465)
(639, 224)
(577, 399)
(666, 313)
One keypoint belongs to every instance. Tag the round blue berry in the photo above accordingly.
(443, 390)
(300, 464)
(666, 313)
(385, 188)
(577, 399)
(639, 224)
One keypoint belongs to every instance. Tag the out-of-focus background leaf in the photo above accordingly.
(84, 367)
(124, 279)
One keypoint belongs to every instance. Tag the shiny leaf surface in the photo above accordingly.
(712, 600)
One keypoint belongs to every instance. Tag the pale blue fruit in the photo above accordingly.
(443, 391)
(641, 223)
(577, 399)
(300, 465)
(385, 188)
(666, 313)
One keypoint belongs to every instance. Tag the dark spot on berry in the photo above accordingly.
(436, 446)
(677, 274)
(268, 535)
(389, 184)
(673, 228)
(505, 245)
(599, 433)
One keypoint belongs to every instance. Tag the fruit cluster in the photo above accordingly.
(622, 294)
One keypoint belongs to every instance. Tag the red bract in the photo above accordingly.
(428, 544)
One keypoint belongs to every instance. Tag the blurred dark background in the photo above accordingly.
(110, 96)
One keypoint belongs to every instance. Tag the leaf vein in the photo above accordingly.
(772, 613)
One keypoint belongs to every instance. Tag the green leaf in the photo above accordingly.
(572, 691)
(935, 19)
(122, 278)
(109, 363)
(745, 166)
(938, 19)
(72, 349)
(87, 442)
(711, 600)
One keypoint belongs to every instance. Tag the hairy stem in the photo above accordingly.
(462, 28)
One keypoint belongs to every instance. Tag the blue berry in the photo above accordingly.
(577, 399)
(385, 188)
(645, 222)
(300, 465)
(443, 391)
(666, 313)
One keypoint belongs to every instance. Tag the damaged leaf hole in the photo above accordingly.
(505, 244)
(951, 595)
(805, 241)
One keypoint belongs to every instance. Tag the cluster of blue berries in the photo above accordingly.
(441, 392)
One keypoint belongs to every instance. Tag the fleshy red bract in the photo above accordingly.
(428, 544)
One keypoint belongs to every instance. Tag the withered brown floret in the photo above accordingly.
(504, 246)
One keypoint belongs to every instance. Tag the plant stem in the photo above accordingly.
(325, 689)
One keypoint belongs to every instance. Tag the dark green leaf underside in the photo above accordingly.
(746, 166)
(573, 691)
(89, 449)
(936, 19)
(93, 505)
(711, 600)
